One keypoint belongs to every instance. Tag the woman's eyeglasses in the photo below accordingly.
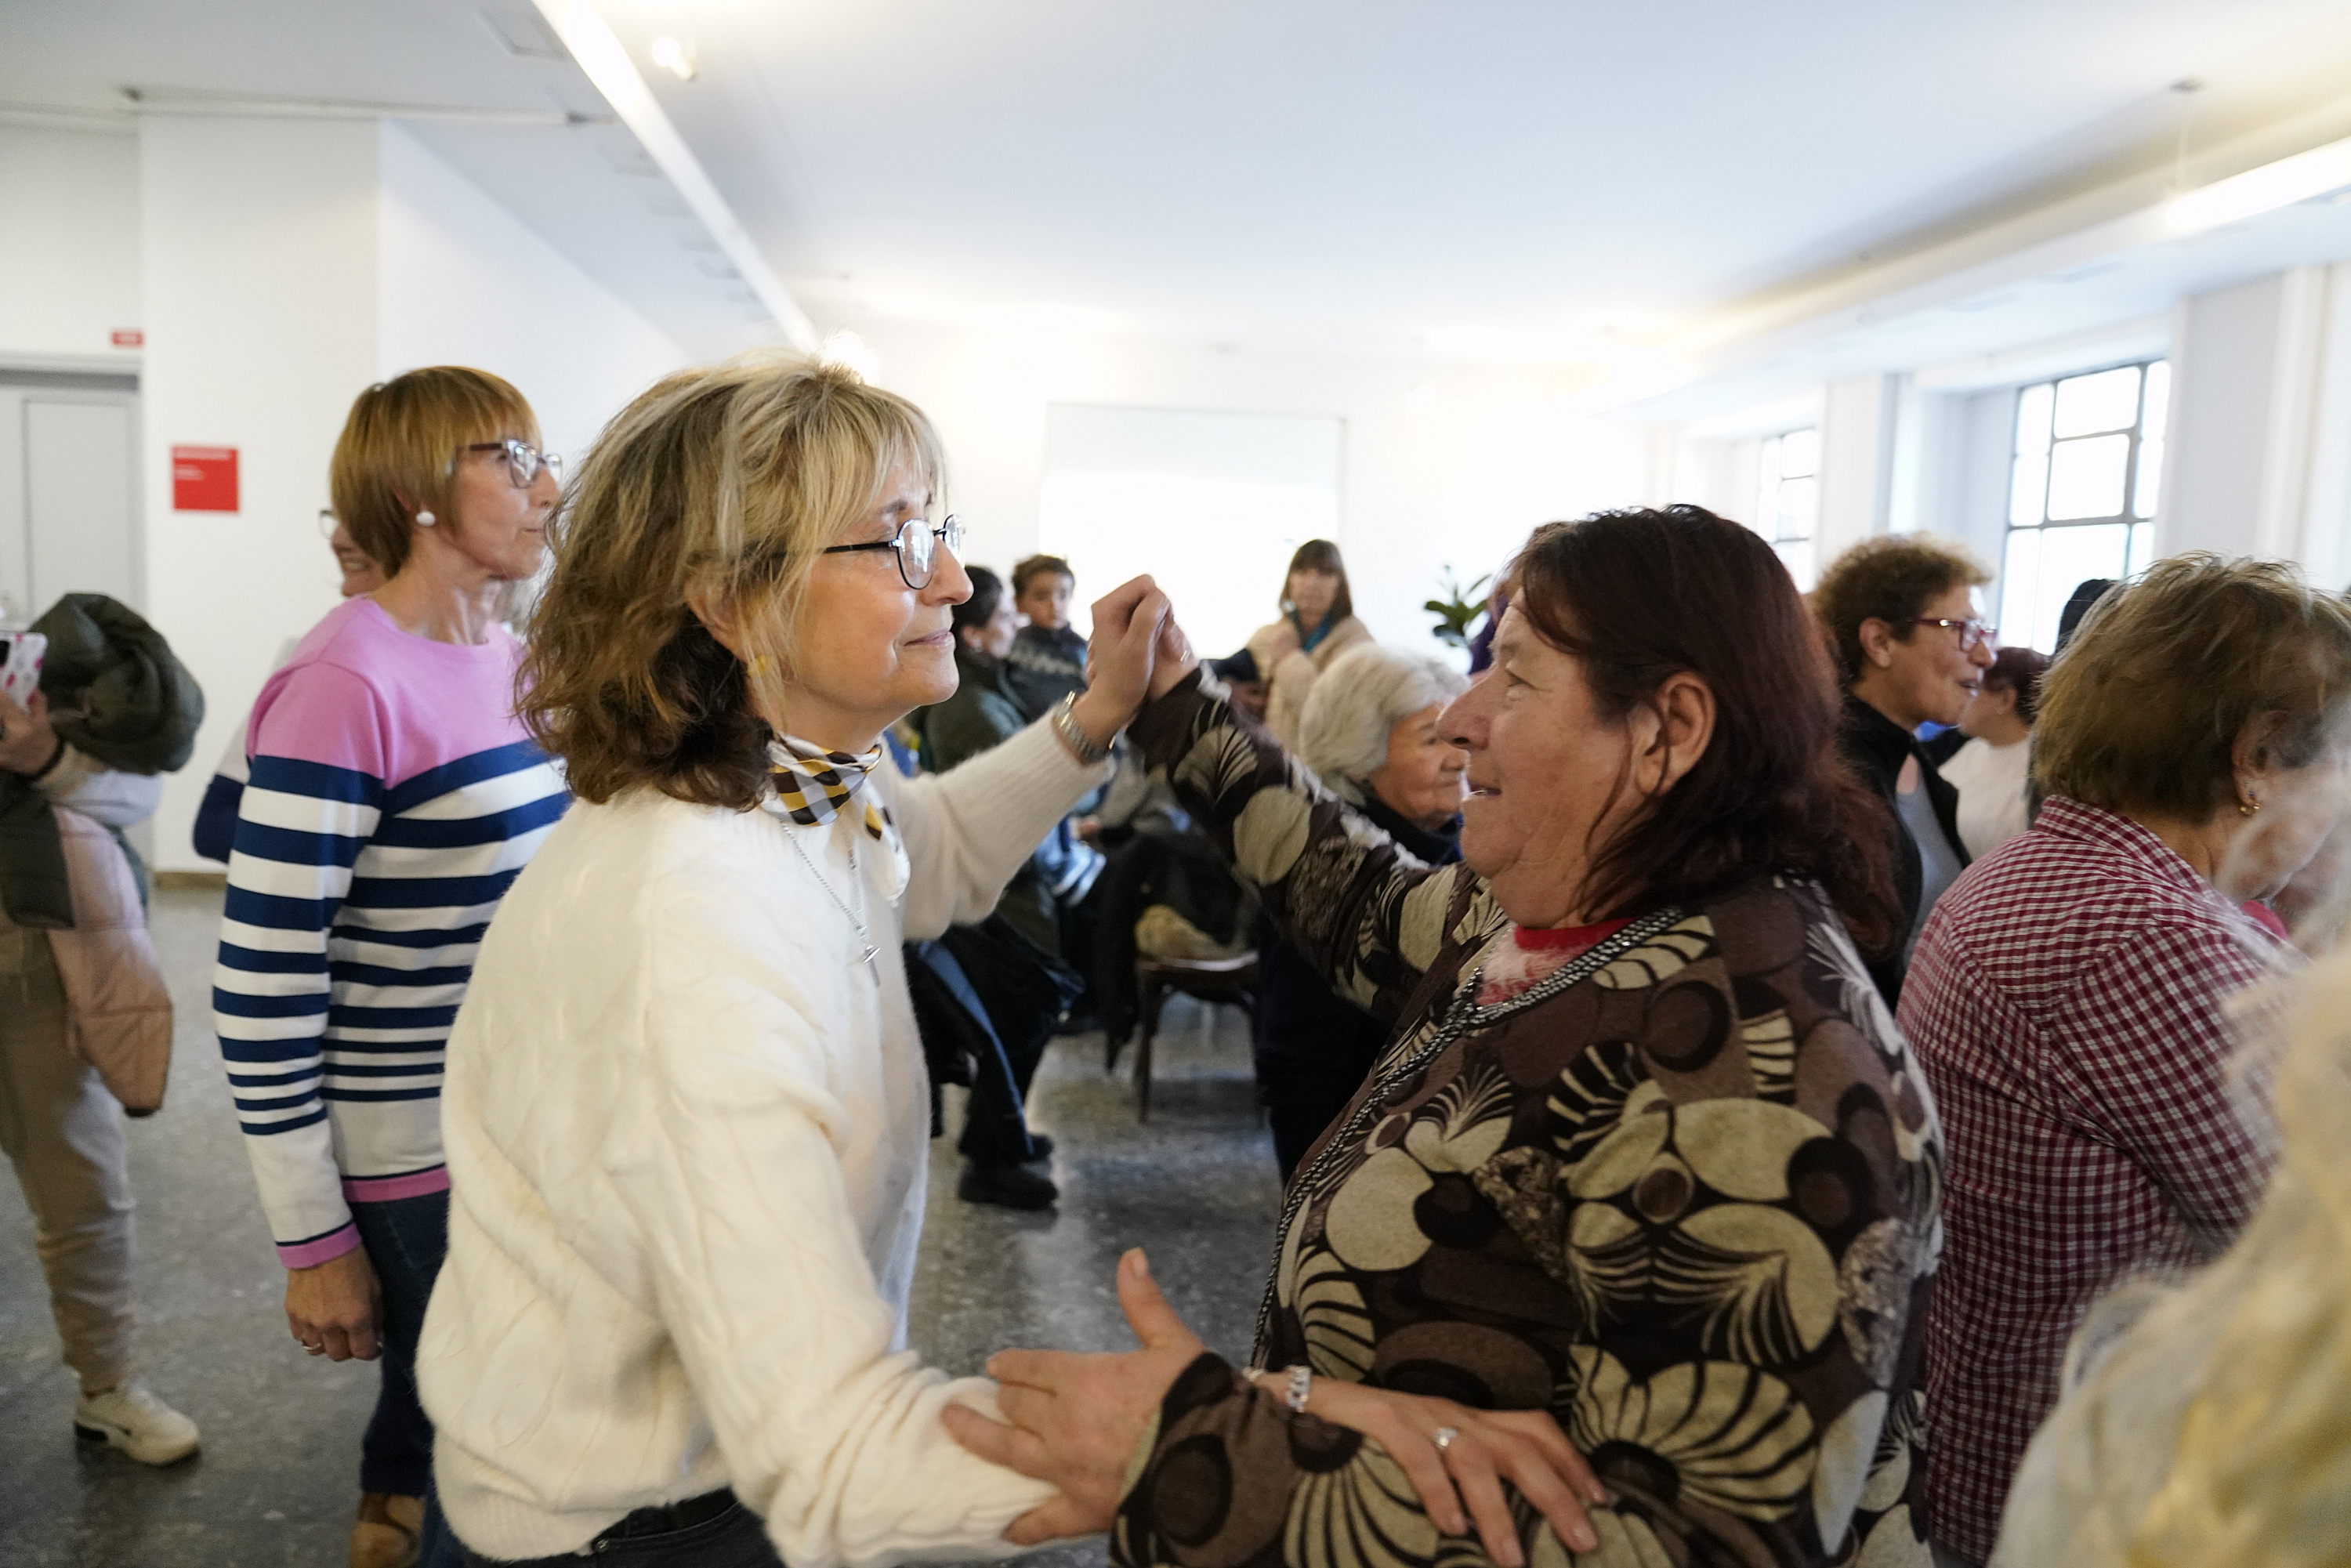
(523, 460)
(917, 545)
(1973, 635)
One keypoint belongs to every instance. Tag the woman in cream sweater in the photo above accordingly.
(685, 1108)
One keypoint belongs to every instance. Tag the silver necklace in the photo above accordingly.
(865, 934)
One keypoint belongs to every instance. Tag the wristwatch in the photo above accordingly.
(1066, 725)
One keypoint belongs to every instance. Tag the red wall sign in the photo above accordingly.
(128, 337)
(204, 478)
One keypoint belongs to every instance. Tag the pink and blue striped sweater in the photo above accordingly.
(394, 796)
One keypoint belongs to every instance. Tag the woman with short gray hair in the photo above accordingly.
(1369, 728)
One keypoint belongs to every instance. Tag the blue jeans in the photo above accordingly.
(406, 1239)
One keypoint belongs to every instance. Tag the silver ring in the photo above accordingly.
(1443, 1438)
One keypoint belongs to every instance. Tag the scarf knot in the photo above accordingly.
(813, 786)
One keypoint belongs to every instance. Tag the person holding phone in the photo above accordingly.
(61, 1124)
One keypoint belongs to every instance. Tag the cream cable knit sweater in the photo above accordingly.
(686, 1132)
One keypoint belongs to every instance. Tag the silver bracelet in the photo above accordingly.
(1066, 726)
(1301, 1384)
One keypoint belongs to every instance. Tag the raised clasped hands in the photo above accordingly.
(1137, 652)
(1073, 1421)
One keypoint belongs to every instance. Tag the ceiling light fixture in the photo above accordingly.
(676, 58)
(2316, 173)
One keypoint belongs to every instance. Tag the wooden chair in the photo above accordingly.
(1228, 980)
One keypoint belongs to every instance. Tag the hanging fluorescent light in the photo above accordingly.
(676, 58)
(2265, 189)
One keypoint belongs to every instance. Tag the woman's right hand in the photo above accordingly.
(334, 1307)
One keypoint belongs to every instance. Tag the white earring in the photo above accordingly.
(425, 519)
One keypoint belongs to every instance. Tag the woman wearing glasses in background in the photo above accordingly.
(393, 796)
(1899, 615)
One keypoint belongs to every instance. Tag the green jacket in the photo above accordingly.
(117, 692)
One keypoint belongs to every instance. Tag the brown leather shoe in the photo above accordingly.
(388, 1532)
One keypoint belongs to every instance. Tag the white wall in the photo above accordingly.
(259, 265)
(1443, 464)
(461, 281)
(69, 245)
(286, 266)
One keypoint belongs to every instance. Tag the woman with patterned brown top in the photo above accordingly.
(1645, 1153)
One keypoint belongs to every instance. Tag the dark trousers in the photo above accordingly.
(995, 1118)
(1298, 1106)
(406, 1239)
(736, 1538)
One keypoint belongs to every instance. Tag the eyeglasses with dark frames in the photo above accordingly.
(523, 460)
(1973, 634)
(917, 548)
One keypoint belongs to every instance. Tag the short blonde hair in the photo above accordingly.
(2144, 709)
(717, 486)
(1343, 732)
(400, 447)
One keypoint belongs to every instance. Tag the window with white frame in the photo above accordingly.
(1787, 498)
(2082, 491)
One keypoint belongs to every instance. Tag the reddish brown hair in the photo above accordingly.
(1641, 596)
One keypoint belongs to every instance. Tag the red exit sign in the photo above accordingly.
(127, 338)
(204, 478)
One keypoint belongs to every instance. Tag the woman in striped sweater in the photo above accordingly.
(394, 795)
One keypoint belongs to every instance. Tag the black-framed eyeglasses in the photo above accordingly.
(917, 545)
(523, 460)
(1973, 634)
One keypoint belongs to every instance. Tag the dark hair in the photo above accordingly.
(987, 593)
(1321, 555)
(2085, 596)
(1891, 579)
(1639, 596)
(1036, 565)
(2019, 669)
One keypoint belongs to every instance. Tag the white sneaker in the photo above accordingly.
(132, 1419)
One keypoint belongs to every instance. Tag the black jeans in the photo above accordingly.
(404, 1239)
(736, 1538)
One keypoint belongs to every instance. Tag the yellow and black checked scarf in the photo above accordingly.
(814, 785)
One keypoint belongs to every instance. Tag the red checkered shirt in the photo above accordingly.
(2065, 1001)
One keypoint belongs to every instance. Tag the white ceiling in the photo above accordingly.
(1469, 179)
(1403, 173)
(587, 187)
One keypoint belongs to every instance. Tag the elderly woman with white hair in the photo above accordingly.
(1369, 729)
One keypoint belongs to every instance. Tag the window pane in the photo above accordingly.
(2019, 579)
(2108, 401)
(1796, 555)
(1800, 454)
(2150, 479)
(2032, 418)
(2158, 400)
(1800, 499)
(2028, 489)
(2142, 547)
(2069, 557)
(2085, 478)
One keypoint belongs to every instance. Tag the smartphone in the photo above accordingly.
(21, 653)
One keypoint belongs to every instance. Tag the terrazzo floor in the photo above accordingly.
(277, 1480)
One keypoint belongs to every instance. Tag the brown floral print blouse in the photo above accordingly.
(1682, 1193)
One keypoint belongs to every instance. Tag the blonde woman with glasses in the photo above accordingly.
(688, 1113)
(394, 794)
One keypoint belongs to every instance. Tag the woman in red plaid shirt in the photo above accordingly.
(2067, 995)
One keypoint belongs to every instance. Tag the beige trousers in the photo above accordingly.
(65, 1134)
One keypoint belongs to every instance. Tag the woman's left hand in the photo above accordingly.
(27, 742)
(1127, 623)
(1075, 1419)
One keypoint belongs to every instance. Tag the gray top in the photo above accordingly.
(1939, 862)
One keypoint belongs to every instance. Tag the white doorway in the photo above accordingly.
(68, 490)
